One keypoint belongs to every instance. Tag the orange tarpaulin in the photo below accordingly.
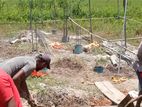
(38, 74)
(57, 45)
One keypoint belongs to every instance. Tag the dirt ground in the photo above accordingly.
(70, 81)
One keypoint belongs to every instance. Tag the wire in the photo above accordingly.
(123, 39)
(133, 20)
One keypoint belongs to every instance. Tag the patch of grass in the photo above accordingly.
(112, 28)
(101, 61)
(18, 10)
(24, 46)
(34, 83)
(10, 30)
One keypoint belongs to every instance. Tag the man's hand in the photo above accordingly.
(32, 103)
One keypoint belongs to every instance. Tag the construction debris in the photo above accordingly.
(114, 60)
(118, 79)
(29, 36)
(90, 47)
(117, 49)
(56, 45)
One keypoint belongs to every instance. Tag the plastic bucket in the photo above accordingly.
(98, 69)
(78, 49)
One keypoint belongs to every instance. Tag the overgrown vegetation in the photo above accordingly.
(105, 13)
(18, 10)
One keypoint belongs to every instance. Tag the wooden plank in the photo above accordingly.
(105, 106)
(125, 101)
(110, 91)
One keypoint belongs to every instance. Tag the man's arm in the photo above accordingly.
(25, 90)
(27, 94)
(20, 81)
(18, 78)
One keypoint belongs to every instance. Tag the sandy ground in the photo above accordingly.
(70, 82)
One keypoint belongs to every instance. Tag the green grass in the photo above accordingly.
(18, 10)
(107, 28)
(34, 83)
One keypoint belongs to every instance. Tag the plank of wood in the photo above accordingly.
(110, 91)
(105, 106)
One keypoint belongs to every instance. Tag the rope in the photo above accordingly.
(123, 39)
(96, 18)
(86, 19)
(103, 39)
(133, 20)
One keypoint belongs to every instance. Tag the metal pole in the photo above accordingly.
(41, 14)
(90, 16)
(65, 34)
(124, 35)
(30, 5)
(30, 14)
(65, 22)
(36, 37)
(54, 16)
(124, 28)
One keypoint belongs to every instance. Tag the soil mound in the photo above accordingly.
(68, 66)
(71, 63)
(59, 99)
